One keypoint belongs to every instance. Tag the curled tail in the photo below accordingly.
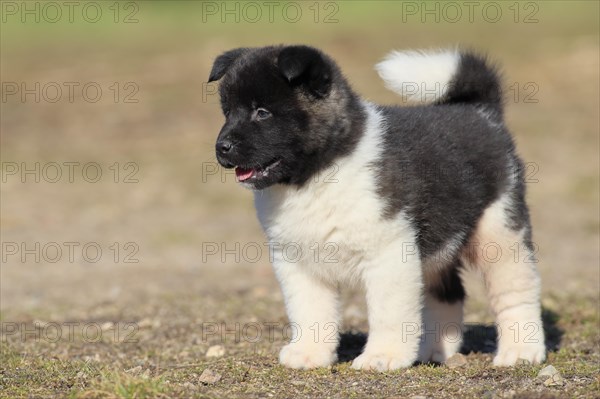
(442, 77)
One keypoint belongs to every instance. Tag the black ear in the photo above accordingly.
(308, 66)
(223, 62)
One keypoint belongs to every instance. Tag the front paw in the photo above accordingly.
(509, 354)
(382, 361)
(299, 356)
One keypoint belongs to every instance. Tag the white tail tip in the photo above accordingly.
(419, 76)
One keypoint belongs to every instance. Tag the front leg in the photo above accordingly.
(393, 284)
(313, 310)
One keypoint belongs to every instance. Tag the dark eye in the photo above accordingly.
(262, 114)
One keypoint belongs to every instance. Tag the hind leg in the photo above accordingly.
(442, 329)
(504, 255)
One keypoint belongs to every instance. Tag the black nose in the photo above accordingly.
(224, 146)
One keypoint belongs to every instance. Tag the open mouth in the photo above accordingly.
(249, 174)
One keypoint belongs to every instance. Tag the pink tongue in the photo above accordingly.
(243, 174)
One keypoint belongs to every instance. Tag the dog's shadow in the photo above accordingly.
(478, 338)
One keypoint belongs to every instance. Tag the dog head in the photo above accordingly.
(288, 114)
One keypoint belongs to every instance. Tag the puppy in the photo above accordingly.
(398, 199)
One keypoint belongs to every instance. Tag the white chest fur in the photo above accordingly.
(333, 224)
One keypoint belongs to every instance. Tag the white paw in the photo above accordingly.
(509, 354)
(298, 356)
(433, 355)
(382, 361)
(438, 352)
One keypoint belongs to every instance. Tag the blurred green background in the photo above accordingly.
(163, 51)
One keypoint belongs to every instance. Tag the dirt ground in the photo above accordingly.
(127, 254)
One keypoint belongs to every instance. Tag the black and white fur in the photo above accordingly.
(398, 199)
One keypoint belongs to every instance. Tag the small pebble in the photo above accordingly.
(550, 376)
(215, 351)
(547, 371)
(209, 377)
(555, 380)
(456, 360)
